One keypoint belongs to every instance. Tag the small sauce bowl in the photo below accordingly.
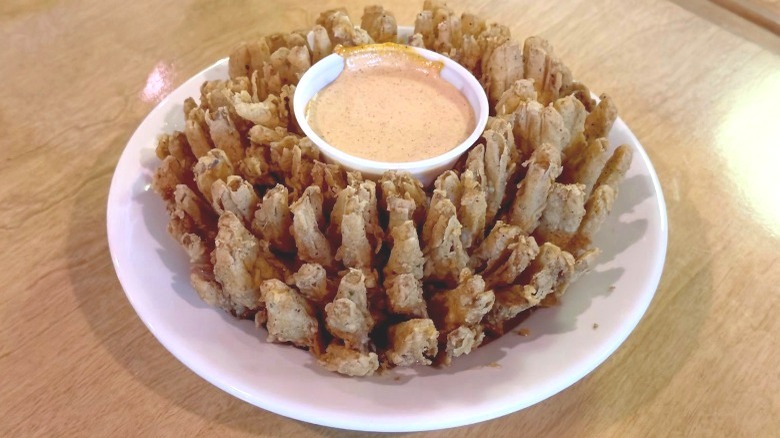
(328, 69)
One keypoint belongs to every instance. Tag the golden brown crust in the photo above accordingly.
(551, 77)
(544, 167)
(444, 254)
(235, 255)
(380, 24)
(412, 342)
(290, 318)
(272, 219)
(599, 122)
(312, 245)
(348, 317)
(464, 305)
(353, 363)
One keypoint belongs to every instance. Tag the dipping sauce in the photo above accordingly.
(390, 104)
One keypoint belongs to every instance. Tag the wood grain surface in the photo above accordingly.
(75, 360)
(765, 13)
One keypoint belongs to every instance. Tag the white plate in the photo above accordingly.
(509, 374)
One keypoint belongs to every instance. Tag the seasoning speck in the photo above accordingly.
(595, 326)
(524, 332)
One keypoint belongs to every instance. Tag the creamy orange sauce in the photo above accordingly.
(390, 104)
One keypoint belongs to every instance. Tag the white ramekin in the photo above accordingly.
(327, 69)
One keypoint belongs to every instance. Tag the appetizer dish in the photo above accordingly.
(372, 273)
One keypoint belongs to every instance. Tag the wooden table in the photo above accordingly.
(75, 360)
